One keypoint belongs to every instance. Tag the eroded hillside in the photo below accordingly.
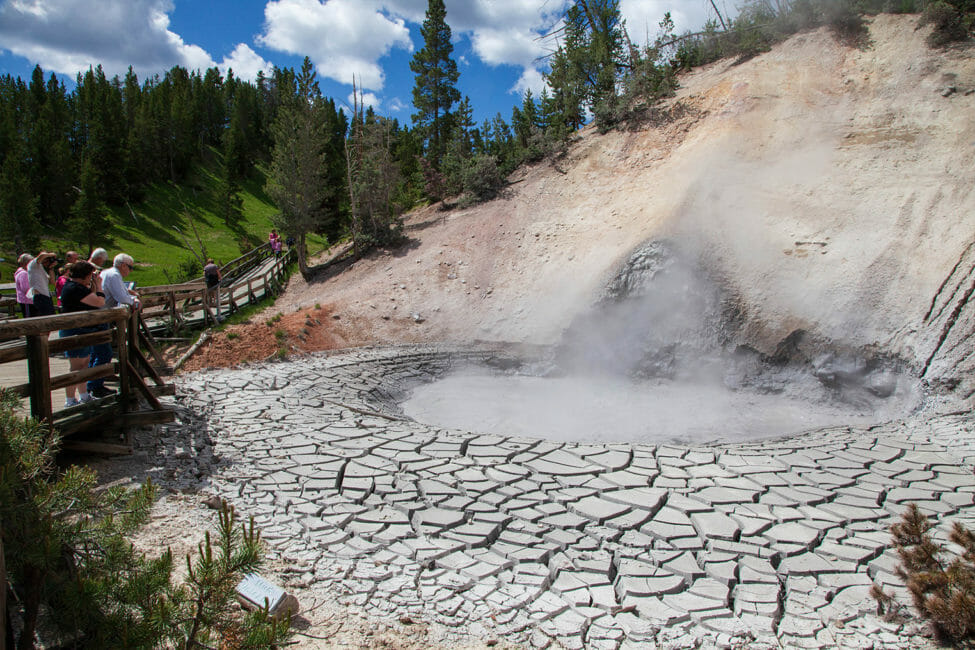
(827, 189)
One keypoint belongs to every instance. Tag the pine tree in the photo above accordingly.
(373, 178)
(89, 223)
(296, 178)
(584, 69)
(65, 548)
(18, 206)
(434, 92)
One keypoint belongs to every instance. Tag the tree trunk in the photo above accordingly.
(302, 262)
(4, 623)
(32, 603)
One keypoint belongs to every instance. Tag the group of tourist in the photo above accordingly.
(81, 285)
(274, 239)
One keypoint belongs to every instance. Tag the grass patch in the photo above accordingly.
(161, 231)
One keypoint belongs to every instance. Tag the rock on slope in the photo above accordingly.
(830, 188)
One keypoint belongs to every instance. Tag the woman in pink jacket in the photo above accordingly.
(22, 283)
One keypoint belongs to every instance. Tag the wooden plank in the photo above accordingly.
(146, 338)
(95, 416)
(20, 390)
(78, 376)
(193, 285)
(43, 324)
(123, 335)
(135, 355)
(81, 340)
(136, 380)
(39, 377)
(165, 389)
(11, 353)
(146, 418)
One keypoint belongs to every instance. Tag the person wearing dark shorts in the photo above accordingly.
(40, 274)
(77, 295)
(211, 273)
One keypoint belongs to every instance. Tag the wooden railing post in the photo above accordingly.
(39, 376)
(125, 332)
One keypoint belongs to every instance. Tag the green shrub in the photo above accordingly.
(232, 335)
(66, 550)
(482, 178)
(942, 585)
(187, 269)
(951, 23)
(847, 24)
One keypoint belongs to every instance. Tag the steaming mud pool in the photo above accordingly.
(613, 409)
(583, 543)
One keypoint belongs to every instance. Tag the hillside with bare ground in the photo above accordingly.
(828, 189)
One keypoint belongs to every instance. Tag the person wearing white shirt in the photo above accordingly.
(113, 283)
(40, 274)
(116, 293)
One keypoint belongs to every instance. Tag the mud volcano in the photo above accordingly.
(652, 480)
(660, 358)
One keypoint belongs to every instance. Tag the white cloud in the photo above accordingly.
(68, 36)
(511, 46)
(643, 16)
(531, 79)
(245, 63)
(343, 38)
(395, 105)
(365, 101)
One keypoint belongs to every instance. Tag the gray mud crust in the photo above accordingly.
(762, 545)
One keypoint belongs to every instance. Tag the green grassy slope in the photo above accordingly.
(163, 231)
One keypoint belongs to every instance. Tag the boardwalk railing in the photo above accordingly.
(30, 339)
(247, 279)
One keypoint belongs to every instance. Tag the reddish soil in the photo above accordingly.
(268, 336)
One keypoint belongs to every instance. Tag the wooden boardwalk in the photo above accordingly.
(32, 364)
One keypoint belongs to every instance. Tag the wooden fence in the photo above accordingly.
(30, 339)
(139, 368)
(246, 280)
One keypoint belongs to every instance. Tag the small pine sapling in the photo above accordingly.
(65, 546)
(210, 591)
(943, 589)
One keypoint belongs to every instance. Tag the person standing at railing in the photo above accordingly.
(40, 273)
(116, 293)
(69, 258)
(98, 258)
(113, 283)
(77, 295)
(22, 283)
(211, 273)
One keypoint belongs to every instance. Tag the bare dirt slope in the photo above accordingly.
(831, 188)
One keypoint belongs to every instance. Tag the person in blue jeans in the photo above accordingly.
(77, 296)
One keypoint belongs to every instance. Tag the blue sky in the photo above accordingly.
(499, 44)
